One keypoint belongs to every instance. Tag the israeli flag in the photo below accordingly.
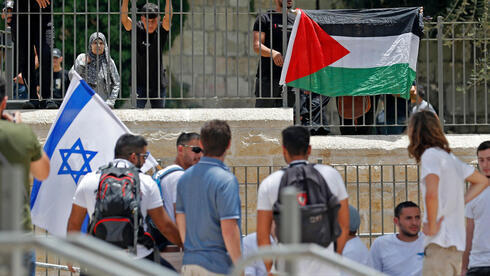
(80, 141)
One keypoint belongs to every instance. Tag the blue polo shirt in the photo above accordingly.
(208, 193)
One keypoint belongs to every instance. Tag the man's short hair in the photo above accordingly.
(149, 10)
(127, 144)
(185, 137)
(2, 88)
(296, 140)
(483, 146)
(403, 205)
(215, 137)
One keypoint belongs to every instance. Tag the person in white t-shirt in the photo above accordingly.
(476, 258)
(250, 247)
(355, 249)
(296, 149)
(188, 153)
(417, 98)
(130, 150)
(443, 177)
(401, 253)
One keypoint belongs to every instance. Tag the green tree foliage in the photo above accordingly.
(76, 20)
(451, 10)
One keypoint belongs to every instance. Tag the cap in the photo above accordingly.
(354, 219)
(56, 52)
(9, 4)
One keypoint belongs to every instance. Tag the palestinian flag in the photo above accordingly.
(354, 52)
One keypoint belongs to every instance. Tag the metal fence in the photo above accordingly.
(210, 61)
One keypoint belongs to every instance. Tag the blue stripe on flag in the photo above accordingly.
(78, 99)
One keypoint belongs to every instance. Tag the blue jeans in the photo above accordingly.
(390, 120)
(156, 103)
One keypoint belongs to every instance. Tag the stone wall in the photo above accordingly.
(256, 152)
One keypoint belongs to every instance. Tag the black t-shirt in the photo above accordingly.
(401, 106)
(154, 53)
(58, 91)
(263, 23)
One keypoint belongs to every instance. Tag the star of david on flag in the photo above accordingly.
(76, 149)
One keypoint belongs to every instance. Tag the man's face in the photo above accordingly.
(57, 61)
(150, 24)
(190, 157)
(413, 94)
(409, 221)
(141, 157)
(484, 162)
(290, 3)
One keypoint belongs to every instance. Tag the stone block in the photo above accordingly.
(237, 87)
(257, 143)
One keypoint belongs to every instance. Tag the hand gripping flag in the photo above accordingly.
(354, 52)
(80, 141)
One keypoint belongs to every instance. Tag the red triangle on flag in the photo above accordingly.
(313, 49)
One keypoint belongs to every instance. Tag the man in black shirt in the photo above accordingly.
(268, 44)
(60, 79)
(32, 31)
(149, 52)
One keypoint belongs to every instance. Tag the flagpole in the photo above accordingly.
(284, 46)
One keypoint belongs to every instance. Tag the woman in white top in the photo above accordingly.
(442, 176)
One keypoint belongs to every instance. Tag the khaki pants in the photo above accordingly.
(440, 261)
(195, 270)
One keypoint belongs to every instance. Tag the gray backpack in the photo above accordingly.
(318, 206)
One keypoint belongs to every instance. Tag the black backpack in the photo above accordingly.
(318, 206)
(117, 217)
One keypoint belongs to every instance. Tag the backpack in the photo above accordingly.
(117, 217)
(318, 206)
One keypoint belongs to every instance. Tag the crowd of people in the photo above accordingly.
(357, 115)
(195, 203)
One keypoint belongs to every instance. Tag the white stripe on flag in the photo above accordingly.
(289, 51)
(372, 52)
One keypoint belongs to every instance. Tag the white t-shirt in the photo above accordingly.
(452, 173)
(267, 196)
(395, 257)
(357, 251)
(169, 188)
(250, 247)
(479, 210)
(85, 196)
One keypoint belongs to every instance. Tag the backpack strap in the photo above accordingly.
(158, 176)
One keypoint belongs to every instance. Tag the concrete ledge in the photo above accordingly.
(256, 137)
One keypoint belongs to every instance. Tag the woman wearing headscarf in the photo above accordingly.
(98, 69)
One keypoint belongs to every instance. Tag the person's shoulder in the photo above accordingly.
(273, 179)
(433, 152)
(383, 240)
(91, 179)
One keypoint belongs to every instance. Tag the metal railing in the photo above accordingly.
(374, 190)
(210, 61)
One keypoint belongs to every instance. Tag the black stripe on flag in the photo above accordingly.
(369, 22)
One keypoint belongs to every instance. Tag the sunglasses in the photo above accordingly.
(145, 155)
(193, 148)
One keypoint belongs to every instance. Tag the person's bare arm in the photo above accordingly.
(43, 3)
(165, 225)
(231, 236)
(264, 222)
(470, 226)
(180, 219)
(75, 222)
(168, 15)
(343, 219)
(40, 168)
(76, 218)
(432, 226)
(478, 183)
(125, 19)
(261, 49)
